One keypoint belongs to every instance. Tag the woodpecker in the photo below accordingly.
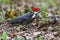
(27, 18)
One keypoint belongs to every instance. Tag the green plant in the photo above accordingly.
(3, 36)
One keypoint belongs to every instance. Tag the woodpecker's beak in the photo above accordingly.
(40, 11)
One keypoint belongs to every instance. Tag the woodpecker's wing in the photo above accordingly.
(22, 18)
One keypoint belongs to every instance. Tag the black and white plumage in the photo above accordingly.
(27, 18)
(24, 19)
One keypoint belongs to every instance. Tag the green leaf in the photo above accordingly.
(43, 13)
(4, 35)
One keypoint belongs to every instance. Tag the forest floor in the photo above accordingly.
(44, 32)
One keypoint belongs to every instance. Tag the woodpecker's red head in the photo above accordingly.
(35, 9)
